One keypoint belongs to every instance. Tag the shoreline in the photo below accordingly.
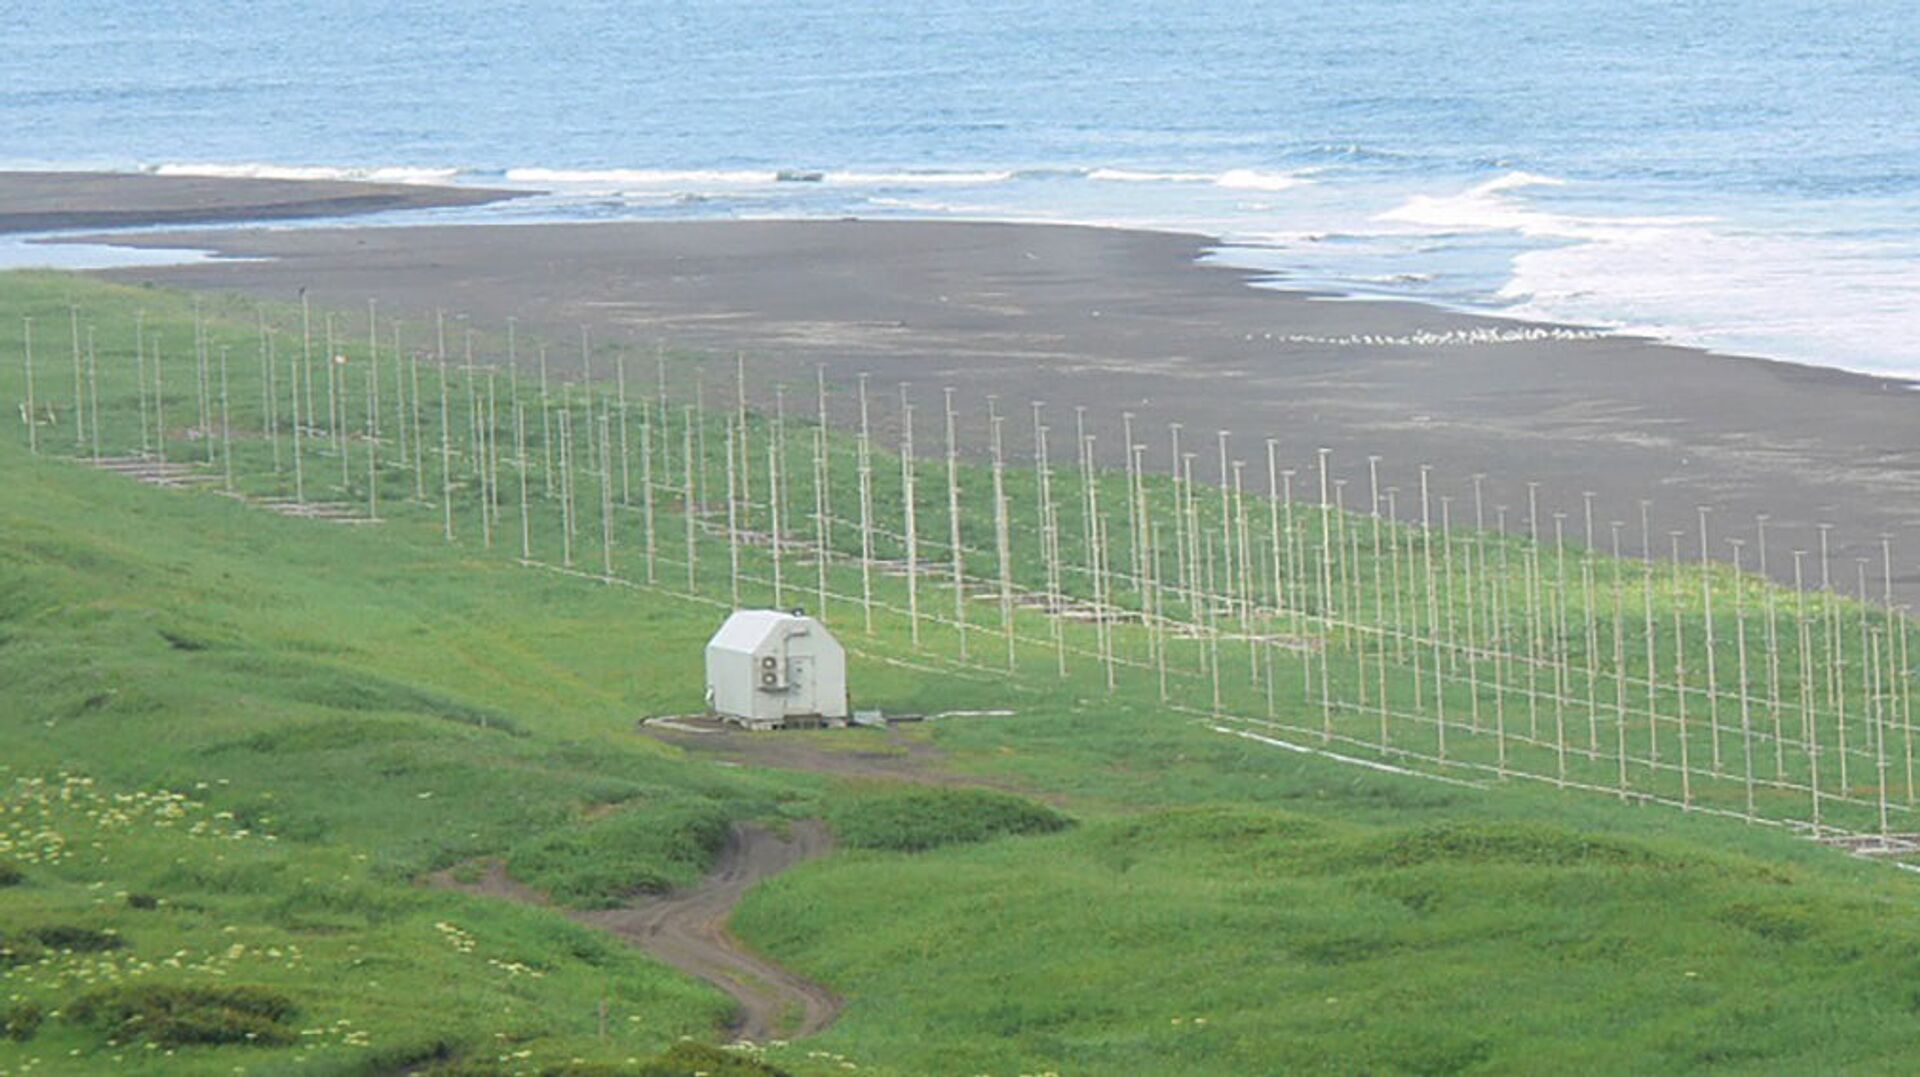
(1124, 320)
(37, 202)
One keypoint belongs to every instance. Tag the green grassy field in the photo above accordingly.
(236, 741)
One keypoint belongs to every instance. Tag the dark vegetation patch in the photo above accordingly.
(1524, 844)
(10, 874)
(142, 901)
(1340, 948)
(182, 641)
(430, 1056)
(1774, 921)
(181, 1016)
(684, 1059)
(1233, 827)
(1275, 840)
(648, 847)
(20, 1021)
(1436, 1052)
(323, 735)
(80, 940)
(324, 685)
(687, 1059)
(916, 820)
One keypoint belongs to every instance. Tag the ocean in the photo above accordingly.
(1738, 176)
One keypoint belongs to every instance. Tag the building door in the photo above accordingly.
(800, 685)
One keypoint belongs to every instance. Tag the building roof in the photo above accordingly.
(746, 630)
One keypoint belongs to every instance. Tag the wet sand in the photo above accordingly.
(1121, 321)
(50, 201)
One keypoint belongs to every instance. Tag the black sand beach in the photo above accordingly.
(1120, 321)
(48, 201)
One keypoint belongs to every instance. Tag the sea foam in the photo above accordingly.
(377, 174)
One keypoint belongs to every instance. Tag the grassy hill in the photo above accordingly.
(236, 741)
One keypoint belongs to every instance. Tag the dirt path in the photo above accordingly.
(688, 929)
(890, 755)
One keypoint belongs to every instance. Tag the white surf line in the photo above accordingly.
(1370, 764)
(1446, 338)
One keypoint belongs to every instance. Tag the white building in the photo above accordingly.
(767, 669)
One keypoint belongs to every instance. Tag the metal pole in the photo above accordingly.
(626, 451)
(32, 413)
(1830, 631)
(1680, 674)
(546, 423)
(953, 522)
(1773, 655)
(1002, 540)
(1646, 616)
(1500, 601)
(646, 490)
(93, 393)
(687, 498)
(373, 443)
(446, 455)
(567, 508)
(299, 469)
(1713, 687)
(826, 500)
(1326, 596)
(159, 397)
(866, 510)
(1433, 615)
(269, 398)
(746, 454)
(1179, 512)
(526, 511)
(821, 552)
(1097, 561)
(1740, 644)
(606, 496)
(226, 425)
(1809, 730)
(909, 518)
(79, 384)
(773, 518)
(733, 522)
(1562, 681)
(413, 415)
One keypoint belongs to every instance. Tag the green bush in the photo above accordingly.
(10, 874)
(19, 950)
(645, 847)
(687, 1058)
(916, 820)
(1508, 843)
(22, 1020)
(178, 1016)
(80, 940)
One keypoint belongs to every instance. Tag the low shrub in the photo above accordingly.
(644, 847)
(10, 874)
(916, 820)
(686, 1059)
(180, 1016)
(80, 940)
(142, 901)
(22, 1020)
(1508, 843)
(19, 950)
